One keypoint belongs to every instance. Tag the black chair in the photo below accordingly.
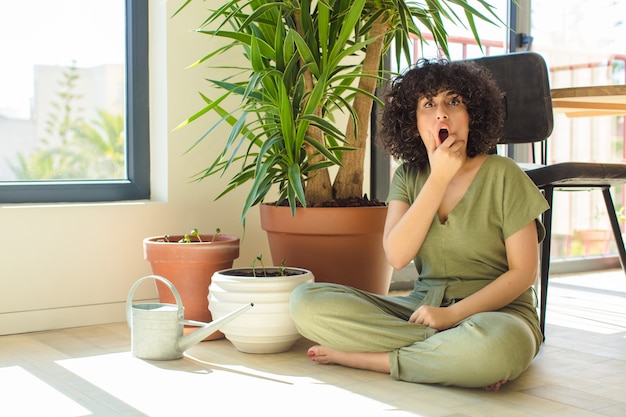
(523, 76)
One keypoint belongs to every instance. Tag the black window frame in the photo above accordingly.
(137, 184)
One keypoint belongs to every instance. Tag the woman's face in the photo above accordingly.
(440, 117)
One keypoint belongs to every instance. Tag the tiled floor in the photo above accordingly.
(581, 371)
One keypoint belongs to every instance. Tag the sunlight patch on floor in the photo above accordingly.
(588, 302)
(150, 386)
(23, 394)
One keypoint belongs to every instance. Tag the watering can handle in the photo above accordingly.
(179, 301)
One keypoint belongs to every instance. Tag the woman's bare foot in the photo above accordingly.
(496, 386)
(321, 354)
(371, 361)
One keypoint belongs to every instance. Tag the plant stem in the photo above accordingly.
(347, 183)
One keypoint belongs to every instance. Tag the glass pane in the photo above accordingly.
(63, 102)
(583, 43)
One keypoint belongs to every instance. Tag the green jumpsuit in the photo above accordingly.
(457, 258)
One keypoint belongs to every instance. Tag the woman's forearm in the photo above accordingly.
(498, 294)
(407, 226)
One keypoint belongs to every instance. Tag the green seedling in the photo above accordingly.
(258, 258)
(187, 238)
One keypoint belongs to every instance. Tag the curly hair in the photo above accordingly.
(483, 99)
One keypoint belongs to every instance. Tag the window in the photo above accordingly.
(593, 55)
(74, 121)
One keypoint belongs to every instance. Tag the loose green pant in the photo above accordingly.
(481, 350)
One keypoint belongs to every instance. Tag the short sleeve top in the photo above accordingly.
(500, 201)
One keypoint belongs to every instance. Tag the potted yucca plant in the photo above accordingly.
(307, 62)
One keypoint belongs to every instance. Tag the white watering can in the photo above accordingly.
(157, 329)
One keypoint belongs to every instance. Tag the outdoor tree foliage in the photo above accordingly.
(75, 149)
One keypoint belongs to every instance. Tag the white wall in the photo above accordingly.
(72, 265)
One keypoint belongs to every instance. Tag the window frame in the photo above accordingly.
(137, 122)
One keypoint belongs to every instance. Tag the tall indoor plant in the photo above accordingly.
(307, 62)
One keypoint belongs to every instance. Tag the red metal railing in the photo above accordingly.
(460, 40)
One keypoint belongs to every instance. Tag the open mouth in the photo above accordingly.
(443, 134)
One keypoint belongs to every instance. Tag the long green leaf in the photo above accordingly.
(295, 181)
(349, 22)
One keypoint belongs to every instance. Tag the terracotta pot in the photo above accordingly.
(189, 267)
(267, 327)
(338, 244)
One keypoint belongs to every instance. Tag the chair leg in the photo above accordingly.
(545, 260)
(617, 232)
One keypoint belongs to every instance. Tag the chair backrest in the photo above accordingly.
(523, 77)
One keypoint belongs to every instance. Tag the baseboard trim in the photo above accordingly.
(584, 264)
(61, 318)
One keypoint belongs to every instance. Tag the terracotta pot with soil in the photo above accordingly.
(189, 267)
(342, 245)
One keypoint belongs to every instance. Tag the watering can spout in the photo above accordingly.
(206, 329)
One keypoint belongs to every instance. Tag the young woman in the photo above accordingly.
(469, 221)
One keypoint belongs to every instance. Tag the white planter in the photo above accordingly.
(267, 327)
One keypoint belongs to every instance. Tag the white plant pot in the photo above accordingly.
(267, 327)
